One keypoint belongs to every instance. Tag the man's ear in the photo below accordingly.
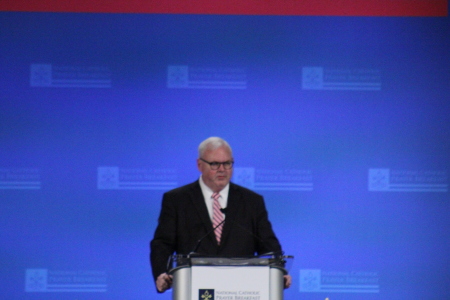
(198, 164)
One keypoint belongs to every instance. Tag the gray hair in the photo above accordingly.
(212, 143)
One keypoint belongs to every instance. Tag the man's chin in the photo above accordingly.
(222, 182)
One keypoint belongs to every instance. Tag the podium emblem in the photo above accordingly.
(206, 294)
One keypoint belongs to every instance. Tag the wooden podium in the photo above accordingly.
(228, 278)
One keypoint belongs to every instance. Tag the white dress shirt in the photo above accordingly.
(207, 195)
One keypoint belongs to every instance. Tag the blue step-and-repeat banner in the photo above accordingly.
(342, 123)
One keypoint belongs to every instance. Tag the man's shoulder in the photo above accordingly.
(243, 190)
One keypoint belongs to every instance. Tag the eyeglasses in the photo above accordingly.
(216, 165)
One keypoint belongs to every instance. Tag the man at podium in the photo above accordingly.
(211, 216)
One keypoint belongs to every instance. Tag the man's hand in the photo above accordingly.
(163, 282)
(287, 281)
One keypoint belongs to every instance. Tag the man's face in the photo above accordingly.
(216, 180)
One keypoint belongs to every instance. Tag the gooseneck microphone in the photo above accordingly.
(208, 233)
(224, 211)
(278, 252)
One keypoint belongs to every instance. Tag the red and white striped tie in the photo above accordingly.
(217, 217)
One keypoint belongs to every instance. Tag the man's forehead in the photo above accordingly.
(220, 151)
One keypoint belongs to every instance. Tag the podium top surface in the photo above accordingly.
(276, 261)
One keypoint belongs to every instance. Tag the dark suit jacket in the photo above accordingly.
(184, 219)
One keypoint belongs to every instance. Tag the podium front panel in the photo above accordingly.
(230, 282)
(224, 278)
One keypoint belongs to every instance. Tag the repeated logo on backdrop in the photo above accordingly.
(391, 180)
(44, 280)
(274, 179)
(115, 178)
(185, 77)
(52, 76)
(320, 78)
(20, 178)
(320, 281)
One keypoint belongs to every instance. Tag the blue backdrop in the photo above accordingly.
(342, 123)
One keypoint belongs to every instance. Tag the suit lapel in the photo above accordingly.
(232, 209)
(198, 202)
